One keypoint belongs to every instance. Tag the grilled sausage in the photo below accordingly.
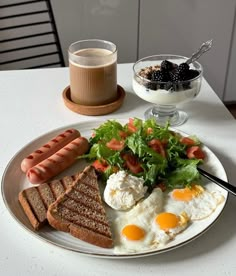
(58, 162)
(49, 149)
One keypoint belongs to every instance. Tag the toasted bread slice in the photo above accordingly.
(36, 200)
(80, 211)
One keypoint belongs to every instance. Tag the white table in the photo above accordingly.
(31, 105)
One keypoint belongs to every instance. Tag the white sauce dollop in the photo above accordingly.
(123, 190)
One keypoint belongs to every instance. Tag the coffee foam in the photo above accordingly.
(92, 57)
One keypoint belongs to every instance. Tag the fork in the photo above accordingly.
(227, 186)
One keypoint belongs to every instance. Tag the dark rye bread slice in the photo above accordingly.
(80, 211)
(36, 200)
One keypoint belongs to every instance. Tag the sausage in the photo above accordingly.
(58, 162)
(48, 149)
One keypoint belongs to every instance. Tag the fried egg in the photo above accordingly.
(171, 223)
(146, 226)
(197, 202)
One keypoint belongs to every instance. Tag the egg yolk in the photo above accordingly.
(187, 194)
(167, 221)
(133, 232)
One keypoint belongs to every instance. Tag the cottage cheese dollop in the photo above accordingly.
(123, 190)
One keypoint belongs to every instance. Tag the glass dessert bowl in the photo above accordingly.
(166, 81)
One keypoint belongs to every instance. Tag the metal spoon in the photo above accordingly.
(206, 46)
(227, 186)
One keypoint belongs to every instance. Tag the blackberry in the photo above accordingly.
(168, 85)
(175, 86)
(192, 74)
(151, 85)
(167, 65)
(161, 76)
(156, 76)
(183, 67)
(174, 76)
(183, 75)
(178, 76)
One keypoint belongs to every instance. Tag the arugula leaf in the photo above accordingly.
(98, 151)
(108, 130)
(176, 169)
(174, 148)
(115, 159)
(158, 132)
(136, 143)
(183, 176)
(152, 162)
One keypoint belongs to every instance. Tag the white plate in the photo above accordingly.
(14, 181)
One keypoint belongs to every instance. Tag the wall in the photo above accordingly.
(180, 26)
(230, 83)
(114, 20)
(146, 27)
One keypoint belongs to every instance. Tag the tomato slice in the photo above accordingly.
(149, 130)
(131, 127)
(162, 186)
(187, 141)
(132, 163)
(157, 146)
(115, 144)
(164, 142)
(100, 165)
(195, 152)
(123, 134)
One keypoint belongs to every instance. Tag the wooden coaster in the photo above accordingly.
(94, 110)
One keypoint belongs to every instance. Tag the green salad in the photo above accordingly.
(145, 149)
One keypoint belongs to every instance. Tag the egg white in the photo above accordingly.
(143, 215)
(199, 207)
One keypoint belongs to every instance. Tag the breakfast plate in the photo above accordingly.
(14, 181)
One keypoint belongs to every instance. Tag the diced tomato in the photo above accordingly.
(100, 165)
(157, 146)
(162, 186)
(132, 163)
(131, 127)
(187, 141)
(123, 134)
(149, 130)
(115, 144)
(164, 142)
(195, 152)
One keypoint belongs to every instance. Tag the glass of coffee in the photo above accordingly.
(93, 72)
